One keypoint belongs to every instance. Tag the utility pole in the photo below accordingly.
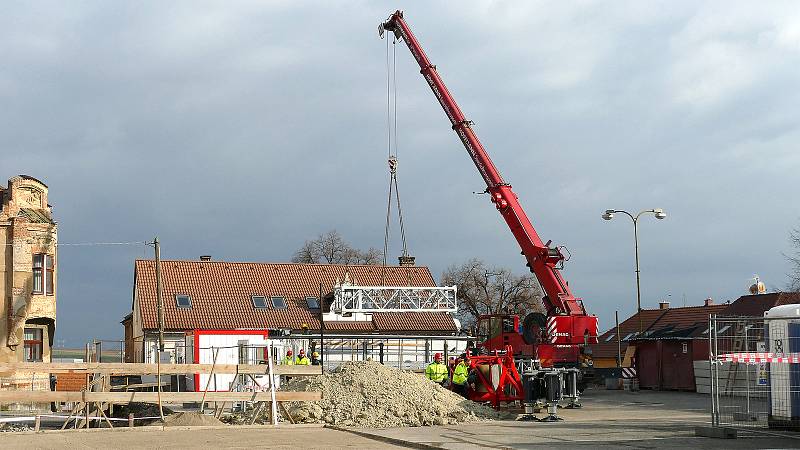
(159, 297)
(619, 342)
(321, 330)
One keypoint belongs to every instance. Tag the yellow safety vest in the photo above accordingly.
(460, 374)
(303, 361)
(436, 372)
(288, 361)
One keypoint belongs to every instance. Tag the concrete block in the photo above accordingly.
(715, 432)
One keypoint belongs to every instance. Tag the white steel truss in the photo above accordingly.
(366, 299)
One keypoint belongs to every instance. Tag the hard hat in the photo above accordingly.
(437, 357)
(302, 352)
(315, 355)
(288, 352)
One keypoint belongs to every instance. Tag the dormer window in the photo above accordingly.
(278, 302)
(183, 301)
(312, 302)
(259, 302)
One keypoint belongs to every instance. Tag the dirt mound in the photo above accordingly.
(184, 419)
(368, 394)
(140, 410)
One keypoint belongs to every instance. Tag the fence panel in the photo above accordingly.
(754, 373)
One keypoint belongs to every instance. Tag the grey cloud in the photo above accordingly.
(242, 129)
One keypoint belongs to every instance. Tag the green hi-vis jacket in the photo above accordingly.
(436, 372)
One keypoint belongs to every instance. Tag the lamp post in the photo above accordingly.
(659, 214)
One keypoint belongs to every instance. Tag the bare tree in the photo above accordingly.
(491, 290)
(794, 260)
(372, 256)
(306, 254)
(331, 248)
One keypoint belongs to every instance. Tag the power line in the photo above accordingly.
(82, 244)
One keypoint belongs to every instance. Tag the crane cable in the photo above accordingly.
(391, 127)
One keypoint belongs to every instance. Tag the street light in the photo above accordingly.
(659, 214)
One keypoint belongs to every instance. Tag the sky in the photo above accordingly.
(240, 129)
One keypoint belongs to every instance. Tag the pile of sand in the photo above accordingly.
(368, 394)
(185, 419)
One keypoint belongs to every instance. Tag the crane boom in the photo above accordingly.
(542, 259)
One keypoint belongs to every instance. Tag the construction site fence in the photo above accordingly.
(753, 374)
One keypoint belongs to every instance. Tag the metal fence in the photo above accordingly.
(754, 373)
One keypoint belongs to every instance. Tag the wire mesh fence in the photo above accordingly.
(754, 373)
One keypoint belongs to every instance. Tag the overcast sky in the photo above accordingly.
(241, 129)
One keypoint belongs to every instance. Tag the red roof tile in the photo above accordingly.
(757, 305)
(656, 323)
(422, 321)
(608, 348)
(221, 292)
(687, 317)
(349, 326)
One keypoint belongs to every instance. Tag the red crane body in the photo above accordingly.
(568, 324)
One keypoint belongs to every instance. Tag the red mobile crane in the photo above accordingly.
(558, 339)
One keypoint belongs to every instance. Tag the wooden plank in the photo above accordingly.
(151, 369)
(152, 397)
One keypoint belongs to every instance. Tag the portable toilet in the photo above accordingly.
(782, 325)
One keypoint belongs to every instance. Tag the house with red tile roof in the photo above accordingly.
(672, 339)
(279, 298)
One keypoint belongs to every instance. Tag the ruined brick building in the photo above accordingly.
(28, 271)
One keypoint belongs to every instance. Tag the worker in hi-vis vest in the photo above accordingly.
(436, 371)
(302, 359)
(460, 374)
(289, 360)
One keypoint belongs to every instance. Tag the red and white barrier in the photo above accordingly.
(761, 357)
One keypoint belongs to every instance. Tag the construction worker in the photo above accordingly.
(289, 360)
(315, 359)
(302, 360)
(460, 373)
(436, 371)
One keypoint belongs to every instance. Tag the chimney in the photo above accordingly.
(709, 301)
(205, 257)
(663, 305)
(406, 261)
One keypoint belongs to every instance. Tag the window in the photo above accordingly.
(629, 336)
(508, 325)
(278, 302)
(610, 337)
(483, 330)
(38, 273)
(48, 272)
(259, 301)
(183, 301)
(243, 352)
(43, 274)
(495, 327)
(33, 344)
(312, 302)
